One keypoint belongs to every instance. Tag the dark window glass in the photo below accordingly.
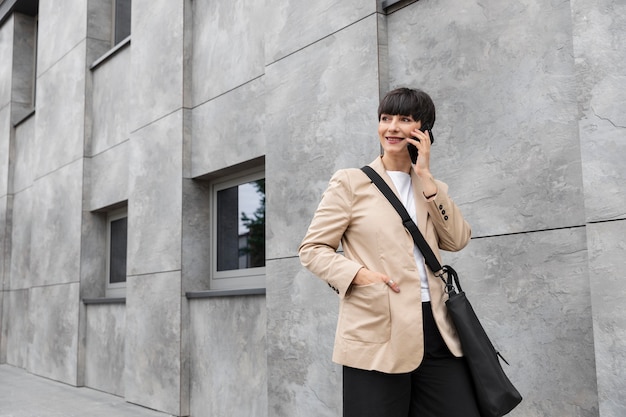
(241, 226)
(122, 20)
(117, 262)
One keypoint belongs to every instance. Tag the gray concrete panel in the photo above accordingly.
(228, 356)
(111, 111)
(5, 148)
(53, 313)
(502, 78)
(196, 243)
(104, 347)
(608, 291)
(56, 226)
(5, 261)
(531, 292)
(599, 36)
(321, 116)
(108, 175)
(21, 237)
(60, 116)
(24, 156)
(6, 64)
(17, 327)
(23, 65)
(230, 129)
(156, 78)
(99, 16)
(155, 194)
(6, 211)
(4, 318)
(93, 255)
(302, 316)
(62, 26)
(296, 24)
(24, 152)
(228, 46)
(152, 374)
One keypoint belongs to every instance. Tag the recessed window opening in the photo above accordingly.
(238, 244)
(34, 74)
(117, 233)
(121, 20)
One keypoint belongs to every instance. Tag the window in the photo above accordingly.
(121, 20)
(24, 71)
(238, 238)
(390, 6)
(112, 23)
(34, 73)
(117, 227)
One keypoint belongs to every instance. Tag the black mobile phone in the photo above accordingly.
(412, 149)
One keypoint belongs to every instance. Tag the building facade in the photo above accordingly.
(134, 134)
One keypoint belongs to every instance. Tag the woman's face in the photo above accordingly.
(393, 131)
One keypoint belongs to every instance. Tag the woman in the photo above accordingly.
(400, 352)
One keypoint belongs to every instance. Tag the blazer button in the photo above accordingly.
(440, 206)
(443, 212)
(445, 217)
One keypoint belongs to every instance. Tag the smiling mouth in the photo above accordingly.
(394, 139)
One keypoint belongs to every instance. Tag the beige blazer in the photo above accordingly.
(377, 328)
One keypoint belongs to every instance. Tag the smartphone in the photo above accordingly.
(412, 149)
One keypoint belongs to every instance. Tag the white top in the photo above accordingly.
(402, 181)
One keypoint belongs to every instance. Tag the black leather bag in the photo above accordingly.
(495, 394)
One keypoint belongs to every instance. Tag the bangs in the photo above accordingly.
(397, 104)
(408, 102)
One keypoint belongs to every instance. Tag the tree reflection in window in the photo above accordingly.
(241, 226)
(255, 224)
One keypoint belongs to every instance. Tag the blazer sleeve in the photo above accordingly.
(318, 250)
(453, 231)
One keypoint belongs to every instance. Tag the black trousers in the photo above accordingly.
(439, 387)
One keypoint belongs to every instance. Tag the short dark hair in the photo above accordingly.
(409, 102)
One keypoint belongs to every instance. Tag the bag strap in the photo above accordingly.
(418, 238)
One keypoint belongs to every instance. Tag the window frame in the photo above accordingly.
(116, 289)
(246, 278)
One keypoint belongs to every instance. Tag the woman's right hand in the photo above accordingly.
(366, 277)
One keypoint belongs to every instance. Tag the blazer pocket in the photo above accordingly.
(365, 315)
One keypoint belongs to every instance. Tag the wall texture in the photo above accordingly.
(599, 30)
(510, 151)
(530, 137)
(518, 89)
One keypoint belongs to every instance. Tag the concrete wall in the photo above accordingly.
(516, 87)
(529, 136)
(505, 79)
(6, 46)
(227, 353)
(599, 30)
(320, 117)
